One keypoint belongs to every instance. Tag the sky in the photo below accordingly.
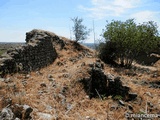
(20, 16)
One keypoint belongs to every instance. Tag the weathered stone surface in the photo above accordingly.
(99, 84)
(37, 53)
(22, 111)
(6, 114)
(16, 112)
(121, 102)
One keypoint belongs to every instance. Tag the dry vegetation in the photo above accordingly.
(54, 92)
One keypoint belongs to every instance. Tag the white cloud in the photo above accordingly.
(103, 8)
(144, 16)
(125, 3)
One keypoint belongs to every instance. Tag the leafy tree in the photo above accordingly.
(80, 31)
(130, 39)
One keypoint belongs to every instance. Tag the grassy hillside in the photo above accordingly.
(55, 92)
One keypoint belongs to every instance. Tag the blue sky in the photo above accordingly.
(20, 16)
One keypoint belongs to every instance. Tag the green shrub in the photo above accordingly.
(127, 40)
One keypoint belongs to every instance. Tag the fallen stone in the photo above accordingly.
(64, 89)
(99, 84)
(83, 64)
(6, 114)
(51, 79)
(66, 75)
(114, 107)
(22, 111)
(27, 110)
(149, 94)
(87, 117)
(24, 82)
(132, 96)
(43, 85)
(50, 76)
(121, 102)
(39, 73)
(27, 76)
(150, 104)
(130, 107)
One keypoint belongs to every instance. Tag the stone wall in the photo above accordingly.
(101, 85)
(37, 53)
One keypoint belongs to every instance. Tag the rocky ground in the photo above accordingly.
(74, 88)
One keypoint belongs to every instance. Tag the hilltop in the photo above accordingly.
(66, 89)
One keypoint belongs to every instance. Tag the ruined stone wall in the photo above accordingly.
(37, 53)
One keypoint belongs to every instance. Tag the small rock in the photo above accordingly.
(121, 103)
(98, 60)
(40, 92)
(83, 64)
(91, 65)
(48, 107)
(66, 75)
(6, 114)
(149, 94)
(155, 75)
(87, 97)
(50, 76)
(61, 96)
(43, 85)
(39, 73)
(51, 79)
(130, 107)
(109, 97)
(87, 117)
(132, 96)
(27, 110)
(64, 89)
(60, 64)
(150, 104)
(63, 101)
(24, 82)
(27, 76)
(64, 70)
(114, 107)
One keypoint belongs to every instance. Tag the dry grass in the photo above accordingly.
(64, 98)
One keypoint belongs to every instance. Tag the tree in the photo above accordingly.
(80, 31)
(130, 39)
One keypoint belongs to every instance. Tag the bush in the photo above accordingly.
(107, 52)
(125, 40)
